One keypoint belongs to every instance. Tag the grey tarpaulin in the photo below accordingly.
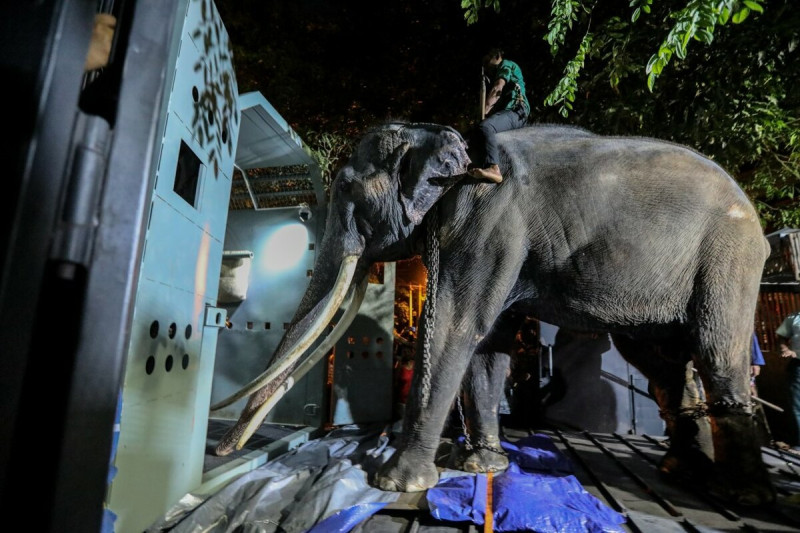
(293, 492)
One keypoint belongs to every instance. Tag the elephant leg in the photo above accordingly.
(484, 386)
(465, 310)
(433, 390)
(721, 313)
(739, 472)
(670, 371)
(722, 359)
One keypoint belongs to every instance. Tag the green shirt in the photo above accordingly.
(514, 90)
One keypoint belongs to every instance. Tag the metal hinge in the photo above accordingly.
(75, 233)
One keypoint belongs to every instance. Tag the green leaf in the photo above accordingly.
(705, 36)
(650, 63)
(739, 17)
(755, 6)
(635, 15)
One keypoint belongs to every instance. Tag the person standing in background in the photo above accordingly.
(789, 344)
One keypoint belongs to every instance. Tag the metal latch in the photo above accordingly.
(215, 316)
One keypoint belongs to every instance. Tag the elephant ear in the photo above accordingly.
(427, 168)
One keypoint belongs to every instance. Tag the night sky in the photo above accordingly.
(333, 65)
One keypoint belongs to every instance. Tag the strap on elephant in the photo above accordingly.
(718, 408)
(692, 413)
(729, 408)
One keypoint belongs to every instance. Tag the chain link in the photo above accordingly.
(467, 442)
(432, 250)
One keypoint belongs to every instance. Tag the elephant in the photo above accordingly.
(645, 240)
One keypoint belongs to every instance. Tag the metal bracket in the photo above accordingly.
(215, 317)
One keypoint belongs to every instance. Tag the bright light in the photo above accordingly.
(284, 249)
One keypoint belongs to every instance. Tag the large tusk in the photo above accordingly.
(314, 330)
(303, 368)
(337, 333)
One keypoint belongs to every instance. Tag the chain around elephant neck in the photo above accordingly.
(432, 251)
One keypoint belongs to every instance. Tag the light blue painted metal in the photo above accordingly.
(282, 247)
(362, 376)
(267, 140)
(167, 383)
(282, 260)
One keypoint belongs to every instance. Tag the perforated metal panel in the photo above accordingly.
(284, 251)
(362, 370)
(167, 382)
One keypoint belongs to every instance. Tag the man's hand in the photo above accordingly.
(755, 370)
(102, 36)
(786, 352)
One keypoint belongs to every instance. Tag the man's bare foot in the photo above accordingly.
(491, 173)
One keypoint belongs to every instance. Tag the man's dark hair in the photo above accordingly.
(495, 51)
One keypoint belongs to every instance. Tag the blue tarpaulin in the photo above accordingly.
(347, 519)
(536, 493)
(322, 487)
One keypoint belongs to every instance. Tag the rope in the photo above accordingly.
(432, 249)
(488, 515)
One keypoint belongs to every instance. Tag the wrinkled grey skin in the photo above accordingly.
(646, 240)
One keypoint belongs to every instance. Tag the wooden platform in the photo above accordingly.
(621, 471)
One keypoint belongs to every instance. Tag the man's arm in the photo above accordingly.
(494, 94)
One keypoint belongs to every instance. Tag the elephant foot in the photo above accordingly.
(740, 475)
(748, 489)
(406, 475)
(480, 460)
(685, 465)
